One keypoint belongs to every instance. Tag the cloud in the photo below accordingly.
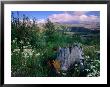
(41, 21)
(83, 17)
(91, 18)
(79, 16)
(79, 13)
(65, 17)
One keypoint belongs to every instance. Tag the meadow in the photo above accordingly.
(32, 46)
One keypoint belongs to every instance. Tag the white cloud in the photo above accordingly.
(83, 18)
(65, 17)
(41, 21)
(91, 18)
(80, 12)
(79, 16)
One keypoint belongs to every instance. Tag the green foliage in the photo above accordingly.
(31, 49)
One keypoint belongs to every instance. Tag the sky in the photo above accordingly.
(61, 16)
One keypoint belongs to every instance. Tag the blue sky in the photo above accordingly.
(36, 14)
(60, 16)
(96, 13)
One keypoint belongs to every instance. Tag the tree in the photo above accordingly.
(50, 31)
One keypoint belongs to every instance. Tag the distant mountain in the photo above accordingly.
(82, 29)
(92, 25)
(89, 25)
(75, 26)
(71, 22)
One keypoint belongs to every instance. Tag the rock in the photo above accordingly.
(70, 55)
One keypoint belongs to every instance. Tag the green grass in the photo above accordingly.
(31, 49)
